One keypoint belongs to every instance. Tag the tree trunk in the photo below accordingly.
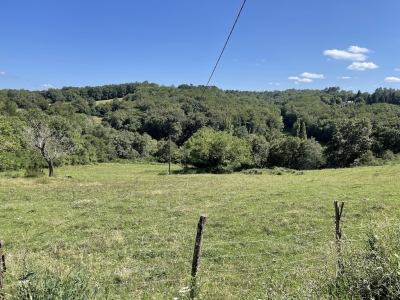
(48, 159)
(51, 167)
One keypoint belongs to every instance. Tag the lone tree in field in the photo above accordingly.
(49, 136)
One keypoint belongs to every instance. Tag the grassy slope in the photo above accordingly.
(133, 230)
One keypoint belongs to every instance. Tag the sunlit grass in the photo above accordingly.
(132, 229)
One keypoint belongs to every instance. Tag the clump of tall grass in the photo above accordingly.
(46, 285)
(372, 272)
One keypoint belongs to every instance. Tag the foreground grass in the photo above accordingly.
(131, 228)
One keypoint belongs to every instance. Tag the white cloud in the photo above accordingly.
(392, 79)
(397, 69)
(275, 83)
(356, 49)
(4, 74)
(46, 86)
(296, 82)
(306, 77)
(300, 79)
(344, 77)
(345, 55)
(313, 76)
(362, 66)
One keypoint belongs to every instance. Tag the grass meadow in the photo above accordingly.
(131, 228)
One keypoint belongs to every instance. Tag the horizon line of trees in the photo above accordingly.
(224, 130)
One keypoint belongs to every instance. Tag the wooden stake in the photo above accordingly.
(338, 231)
(169, 154)
(2, 270)
(196, 254)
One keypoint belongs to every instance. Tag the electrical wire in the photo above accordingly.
(223, 49)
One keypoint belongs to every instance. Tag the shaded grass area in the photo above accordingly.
(132, 230)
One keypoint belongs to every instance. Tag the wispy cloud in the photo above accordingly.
(356, 49)
(306, 77)
(274, 83)
(344, 55)
(46, 86)
(344, 77)
(357, 66)
(397, 69)
(305, 80)
(353, 53)
(312, 76)
(392, 79)
(4, 74)
(300, 79)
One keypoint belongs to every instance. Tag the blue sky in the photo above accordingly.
(276, 45)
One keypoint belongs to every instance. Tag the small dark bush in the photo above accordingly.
(34, 172)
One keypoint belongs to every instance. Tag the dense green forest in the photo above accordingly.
(219, 130)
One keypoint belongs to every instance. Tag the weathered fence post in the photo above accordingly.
(2, 270)
(169, 154)
(196, 255)
(338, 230)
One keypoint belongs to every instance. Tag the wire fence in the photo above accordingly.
(234, 263)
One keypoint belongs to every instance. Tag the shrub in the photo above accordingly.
(218, 150)
(33, 172)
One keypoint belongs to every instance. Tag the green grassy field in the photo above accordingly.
(132, 228)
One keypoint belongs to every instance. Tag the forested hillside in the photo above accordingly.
(208, 127)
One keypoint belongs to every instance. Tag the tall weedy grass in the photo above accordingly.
(372, 272)
(45, 285)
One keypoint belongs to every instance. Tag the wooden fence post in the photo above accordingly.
(338, 230)
(196, 255)
(2, 270)
(169, 154)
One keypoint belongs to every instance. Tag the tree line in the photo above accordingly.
(224, 130)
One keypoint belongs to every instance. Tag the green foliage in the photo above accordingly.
(208, 148)
(34, 172)
(12, 146)
(259, 148)
(46, 285)
(351, 139)
(152, 113)
(163, 151)
(295, 153)
(296, 128)
(299, 129)
(372, 273)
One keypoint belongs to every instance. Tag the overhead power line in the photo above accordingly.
(223, 49)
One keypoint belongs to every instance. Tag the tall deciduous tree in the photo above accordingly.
(259, 148)
(49, 136)
(351, 139)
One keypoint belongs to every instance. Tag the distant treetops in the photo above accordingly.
(223, 130)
